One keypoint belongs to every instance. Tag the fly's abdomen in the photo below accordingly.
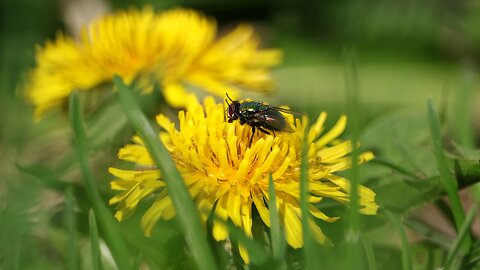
(274, 120)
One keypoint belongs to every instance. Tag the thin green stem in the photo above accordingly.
(185, 209)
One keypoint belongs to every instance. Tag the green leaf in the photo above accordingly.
(402, 138)
(107, 224)
(187, 214)
(401, 195)
(466, 153)
(401, 141)
(94, 242)
(467, 172)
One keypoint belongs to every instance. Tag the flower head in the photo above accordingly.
(220, 167)
(174, 48)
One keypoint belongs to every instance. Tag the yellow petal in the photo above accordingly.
(155, 212)
(317, 128)
(234, 204)
(293, 227)
(333, 133)
(176, 95)
(220, 231)
(262, 210)
(334, 152)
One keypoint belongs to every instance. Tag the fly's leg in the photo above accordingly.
(264, 131)
(251, 138)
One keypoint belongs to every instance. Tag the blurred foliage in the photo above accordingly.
(407, 51)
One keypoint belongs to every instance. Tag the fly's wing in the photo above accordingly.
(274, 120)
(285, 110)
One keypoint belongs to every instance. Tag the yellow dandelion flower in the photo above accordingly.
(219, 167)
(175, 48)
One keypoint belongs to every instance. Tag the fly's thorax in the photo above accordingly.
(252, 107)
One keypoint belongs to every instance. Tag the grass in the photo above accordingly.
(279, 244)
(355, 241)
(448, 180)
(353, 234)
(95, 242)
(406, 253)
(187, 213)
(109, 227)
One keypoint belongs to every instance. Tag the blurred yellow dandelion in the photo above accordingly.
(219, 167)
(174, 48)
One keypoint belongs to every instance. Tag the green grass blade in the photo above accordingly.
(406, 254)
(71, 224)
(94, 242)
(276, 233)
(462, 234)
(309, 249)
(369, 254)
(108, 225)
(448, 180)
(187, 214)
(353, 114)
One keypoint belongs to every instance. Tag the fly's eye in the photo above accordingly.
(232, 108)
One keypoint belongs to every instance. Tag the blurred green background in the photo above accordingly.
(405, 52)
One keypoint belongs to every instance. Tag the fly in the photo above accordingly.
(259, 116)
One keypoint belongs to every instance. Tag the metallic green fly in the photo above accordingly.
(259, 116)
